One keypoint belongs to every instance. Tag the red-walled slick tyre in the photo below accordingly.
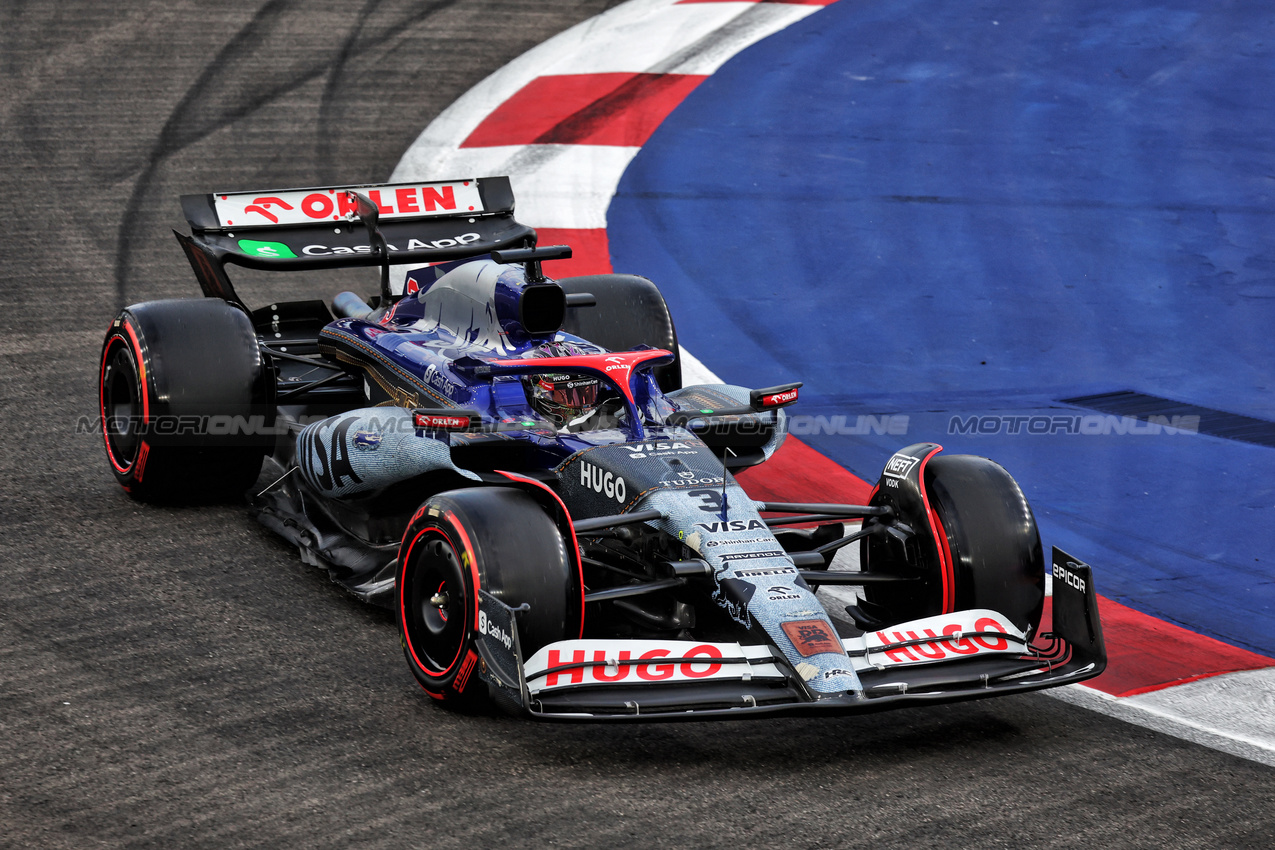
(186, 400)
(993, 556)
(498, 539)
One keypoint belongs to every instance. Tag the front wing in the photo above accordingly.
(958, 656)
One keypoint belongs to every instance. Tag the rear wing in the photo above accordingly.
(298, 229)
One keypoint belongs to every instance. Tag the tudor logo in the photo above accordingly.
(600, 481)
(688, 479)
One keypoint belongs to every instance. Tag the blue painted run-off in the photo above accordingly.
(936, 209)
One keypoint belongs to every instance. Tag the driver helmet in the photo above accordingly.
(562, 399)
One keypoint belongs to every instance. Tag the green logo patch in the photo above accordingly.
(265, 249)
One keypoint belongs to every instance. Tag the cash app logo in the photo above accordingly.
(265, 249)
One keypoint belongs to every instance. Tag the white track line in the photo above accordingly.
(1234, 712)
(571, 186)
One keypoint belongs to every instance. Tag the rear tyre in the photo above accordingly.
(494, 538)
(996, 554)
(630, 312)
(185, 397)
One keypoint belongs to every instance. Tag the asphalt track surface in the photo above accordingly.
(986, 214)
(178, 678)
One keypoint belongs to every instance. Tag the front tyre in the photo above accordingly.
(498, 539)
(437, 597)
(997, 557)
(988, 553)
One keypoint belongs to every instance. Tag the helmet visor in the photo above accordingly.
(574, 393)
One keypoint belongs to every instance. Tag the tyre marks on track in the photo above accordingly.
(222, 693)
(257, 67)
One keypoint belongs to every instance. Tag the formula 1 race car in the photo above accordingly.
(513, 464)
